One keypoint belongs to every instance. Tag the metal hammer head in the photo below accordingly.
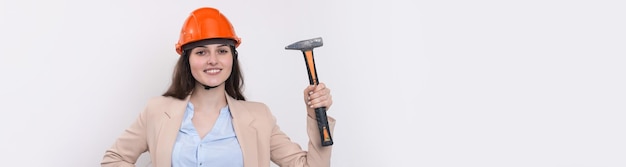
(304, 45)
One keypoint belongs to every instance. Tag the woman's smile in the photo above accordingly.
(213, 71)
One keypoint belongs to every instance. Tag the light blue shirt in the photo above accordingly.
(218, 148)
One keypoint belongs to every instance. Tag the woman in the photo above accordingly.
(203, 118)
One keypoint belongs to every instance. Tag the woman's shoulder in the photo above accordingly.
(163, 100)
(252, 104)
(160, 104)
(252, 107)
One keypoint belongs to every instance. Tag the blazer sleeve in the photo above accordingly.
(286, 153)
(129, 146)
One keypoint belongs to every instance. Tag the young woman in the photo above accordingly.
(203, 118)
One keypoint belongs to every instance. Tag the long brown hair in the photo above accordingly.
(183, 82)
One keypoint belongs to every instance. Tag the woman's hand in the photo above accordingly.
(316, 96)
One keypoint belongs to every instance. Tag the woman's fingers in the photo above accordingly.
(318, 96)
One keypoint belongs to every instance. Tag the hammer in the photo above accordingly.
(306, 46)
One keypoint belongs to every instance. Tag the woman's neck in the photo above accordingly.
(214, 98)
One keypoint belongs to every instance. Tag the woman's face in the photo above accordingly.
(212, 64)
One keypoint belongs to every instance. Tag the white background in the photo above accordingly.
(415, 83)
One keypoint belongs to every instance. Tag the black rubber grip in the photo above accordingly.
(322, 124)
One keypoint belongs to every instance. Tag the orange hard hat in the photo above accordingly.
(206, 23)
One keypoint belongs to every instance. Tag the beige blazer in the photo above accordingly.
(261, 139)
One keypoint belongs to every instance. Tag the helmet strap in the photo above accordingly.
(207, 87)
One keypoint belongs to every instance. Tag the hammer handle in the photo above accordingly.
(322, 124)
(320, 113)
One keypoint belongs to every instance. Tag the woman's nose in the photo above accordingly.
(212, 59)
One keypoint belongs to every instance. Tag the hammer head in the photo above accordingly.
(304, 45)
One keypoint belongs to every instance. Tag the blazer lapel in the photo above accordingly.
(173, 117)
(246, 133)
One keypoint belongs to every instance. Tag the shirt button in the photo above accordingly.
(200, 163)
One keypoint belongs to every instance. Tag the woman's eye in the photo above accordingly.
(200, 52)
(222, 51)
